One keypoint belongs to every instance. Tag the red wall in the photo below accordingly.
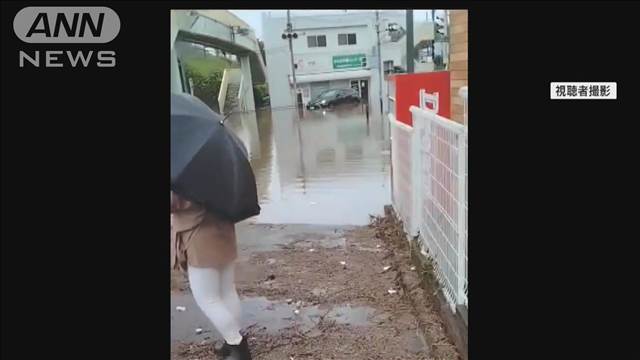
(408, 88)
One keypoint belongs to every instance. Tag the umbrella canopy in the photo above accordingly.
(209, 164)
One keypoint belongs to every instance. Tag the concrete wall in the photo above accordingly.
(178, 21)
(277, 53)
(458, 61)
(225, 17)
(395, 52)
(320, 59)
(215, 27)
(246, 91)
(176, 82)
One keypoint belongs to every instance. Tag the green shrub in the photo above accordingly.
(206, 87)
(261, 95)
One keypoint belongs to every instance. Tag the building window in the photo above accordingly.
(317, 41)
(346, 39)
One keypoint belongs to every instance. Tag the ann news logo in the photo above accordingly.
(66, 25)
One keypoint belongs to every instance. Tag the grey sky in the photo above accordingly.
(254, 17)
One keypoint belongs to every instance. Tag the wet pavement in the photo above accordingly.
(254, 238)
(258, 311)
(328, 167)
(273, 315)
(268, 316)
(315, 292)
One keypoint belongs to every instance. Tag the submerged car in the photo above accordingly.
(333, 98)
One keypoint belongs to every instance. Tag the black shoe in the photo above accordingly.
(222, 351)
(237, 352)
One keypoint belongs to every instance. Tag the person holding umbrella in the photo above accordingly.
(212, 188)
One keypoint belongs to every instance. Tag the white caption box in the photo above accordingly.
(584, 90)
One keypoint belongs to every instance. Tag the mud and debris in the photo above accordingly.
(418, 283)
(315, 307)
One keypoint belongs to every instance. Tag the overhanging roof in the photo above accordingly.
(336, 75)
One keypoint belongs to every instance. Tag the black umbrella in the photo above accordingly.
(209, 164)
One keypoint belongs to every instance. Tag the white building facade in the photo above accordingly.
(332, 52)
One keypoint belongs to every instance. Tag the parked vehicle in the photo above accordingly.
(334, 97)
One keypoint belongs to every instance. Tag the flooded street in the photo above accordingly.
(326, 168)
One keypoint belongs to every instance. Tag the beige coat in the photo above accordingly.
(199, 238)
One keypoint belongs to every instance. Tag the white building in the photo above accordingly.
(332, 51)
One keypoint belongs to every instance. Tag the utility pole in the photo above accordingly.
(441, 36)
(380, 64)
(447, 38)
(409, 41)
(433, 42)
(293, 66)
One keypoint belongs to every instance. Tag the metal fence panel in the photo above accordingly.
(401, 154)
(430, 191)
(443, 199)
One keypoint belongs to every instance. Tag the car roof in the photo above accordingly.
(338, 91)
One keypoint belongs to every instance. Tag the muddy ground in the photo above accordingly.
(325, 296)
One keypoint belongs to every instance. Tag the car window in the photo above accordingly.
(328, 94)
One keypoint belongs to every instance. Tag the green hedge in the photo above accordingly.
(261, 95)
(206, 87)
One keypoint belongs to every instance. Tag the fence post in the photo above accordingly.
(427, 192)
(389, 118)
(462, 160)
(416, 172)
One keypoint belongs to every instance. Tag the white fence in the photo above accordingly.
(401, 159)
(430, 191)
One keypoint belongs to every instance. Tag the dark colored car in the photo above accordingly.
(333, 98)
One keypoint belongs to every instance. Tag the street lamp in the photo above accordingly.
(286, 36)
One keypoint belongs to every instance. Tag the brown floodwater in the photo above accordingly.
(328, 167)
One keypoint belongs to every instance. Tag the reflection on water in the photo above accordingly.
(326, 168)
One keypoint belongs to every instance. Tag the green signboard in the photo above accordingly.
(349, 61)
